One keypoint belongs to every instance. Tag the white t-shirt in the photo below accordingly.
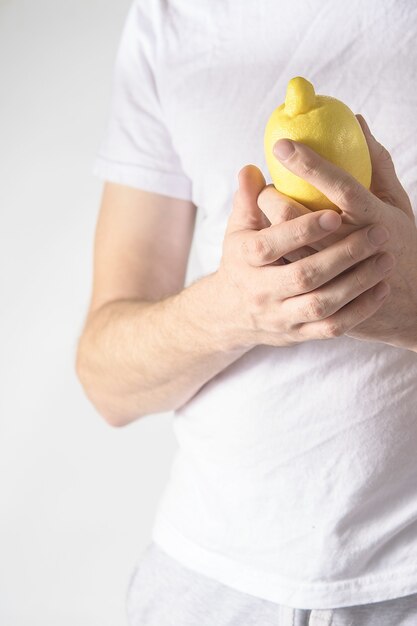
(295, 479)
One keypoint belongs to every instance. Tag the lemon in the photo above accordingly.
(327, 126)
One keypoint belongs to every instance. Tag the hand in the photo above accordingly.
(386, 204)
(268, 302)
(278, 208)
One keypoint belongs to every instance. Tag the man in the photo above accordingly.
(292, 497)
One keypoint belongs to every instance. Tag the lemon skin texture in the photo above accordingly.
(326, 125)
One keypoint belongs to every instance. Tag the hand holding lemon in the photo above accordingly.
(266, 302)
(310, 174)
(321, 296)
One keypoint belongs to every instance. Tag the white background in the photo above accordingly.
(77, 497)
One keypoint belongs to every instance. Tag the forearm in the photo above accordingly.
(136, 358)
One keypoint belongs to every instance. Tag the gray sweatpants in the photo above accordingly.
(162, 592)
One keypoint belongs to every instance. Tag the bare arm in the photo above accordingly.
(148, 345)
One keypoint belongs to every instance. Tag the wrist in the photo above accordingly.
(207, 308)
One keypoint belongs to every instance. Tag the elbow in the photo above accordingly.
(116, 419)
(112, 421)
(110, 415)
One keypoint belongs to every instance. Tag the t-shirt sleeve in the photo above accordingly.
(137, 148)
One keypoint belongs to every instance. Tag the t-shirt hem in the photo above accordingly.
(141, 177)
(319, 595)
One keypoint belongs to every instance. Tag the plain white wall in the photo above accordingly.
(77, 497)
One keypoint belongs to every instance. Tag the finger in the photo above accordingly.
(335, 183)
(266, 246)
(349, 316)
(312, 272)
(328, 299)
(278, 207)
(301, 253)
(384, 177)
(341, 233)
(385, 183)
(245, 212)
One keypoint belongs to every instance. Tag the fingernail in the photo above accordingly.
(329, 221)
(378, 235)
(283, 149)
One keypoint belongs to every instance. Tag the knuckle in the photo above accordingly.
(299, 233)
(301, 279)
(309, 168)
(269, 199)
(359, 278)
(333, 328)
(296, 333)
(347, 192)
(259, 298)
(352, 251)
(315, 308)
(288, 212)
(261, 248)
(255, 248)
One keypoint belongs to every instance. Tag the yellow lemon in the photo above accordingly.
(327, 126)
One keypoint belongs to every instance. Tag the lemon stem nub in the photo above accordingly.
(300, 96)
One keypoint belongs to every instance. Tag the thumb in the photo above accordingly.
(246, 213)
(385, 184)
